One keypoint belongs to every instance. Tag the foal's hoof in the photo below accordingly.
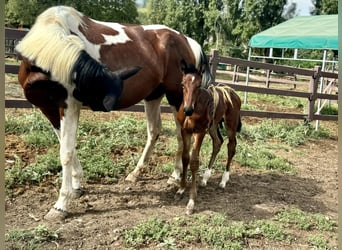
(179, 194)
(190, 207)
(77, 193)
(55, 215)
(132, 177)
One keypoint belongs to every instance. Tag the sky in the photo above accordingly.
(303, 7)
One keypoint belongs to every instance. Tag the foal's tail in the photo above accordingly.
(238, 129)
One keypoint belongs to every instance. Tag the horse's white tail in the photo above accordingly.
(50, 45)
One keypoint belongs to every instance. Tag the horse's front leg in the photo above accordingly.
(186, 138)
(152, 111)
(68, 133)
(77, 171)
(176, 174)
(194, 166)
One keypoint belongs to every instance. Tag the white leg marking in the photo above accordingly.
(77, 172)
(190, 207)
(180, 191)
(206, 177)
(225, 179)
(152, 111)
(69, 124)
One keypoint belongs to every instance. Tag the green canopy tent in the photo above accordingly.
(302, 32)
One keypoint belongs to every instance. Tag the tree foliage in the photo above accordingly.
(24, 12)
(218, 22)
(325, 7)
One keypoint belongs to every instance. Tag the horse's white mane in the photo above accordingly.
(50, 45)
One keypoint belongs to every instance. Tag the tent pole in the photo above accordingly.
(321, 85)
(247, 74)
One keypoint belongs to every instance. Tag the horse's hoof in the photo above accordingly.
(203, 183)
(222, 185)
(173, 181)
(179, 194)
(77, 193)
(131, 178)
(190, 207)
(55, 215)
(189, 211)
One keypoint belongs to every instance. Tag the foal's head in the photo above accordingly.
(191, 84)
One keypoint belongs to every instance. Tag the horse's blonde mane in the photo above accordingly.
(50, 45)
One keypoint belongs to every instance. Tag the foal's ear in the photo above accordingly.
(127, 73)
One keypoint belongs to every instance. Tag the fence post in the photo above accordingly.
(313, 92)
(268, 75)
(214, 63)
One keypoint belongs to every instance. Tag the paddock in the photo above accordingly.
(253, 198)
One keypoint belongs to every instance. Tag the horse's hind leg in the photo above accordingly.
(152, 110)
(217, 141)
(231, 152)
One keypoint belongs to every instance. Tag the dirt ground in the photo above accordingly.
(98, 218)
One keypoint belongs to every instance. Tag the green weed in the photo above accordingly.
(32, 239)
(306, 221)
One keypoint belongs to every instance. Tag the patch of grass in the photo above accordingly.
(35, 238)
(292, 133)
(306, 221)
(213, 231)
(216, 231)
(318, 241)
(258, 157)
(27, 123)
(329, 109)
(19, 174)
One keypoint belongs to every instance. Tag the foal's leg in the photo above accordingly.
(176, 174)
(194, 165)
(186, 138)
(68, 133)
(216, 146)
(152, 110)
(231, 152)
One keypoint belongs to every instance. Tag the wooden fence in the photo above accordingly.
(216, 62)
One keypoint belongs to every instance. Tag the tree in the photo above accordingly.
(325, 7)
(186, 16)
(24, 12)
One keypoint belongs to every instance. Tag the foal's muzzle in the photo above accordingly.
(188, 111)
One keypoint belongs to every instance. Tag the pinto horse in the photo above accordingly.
(202, 111)
(70, 59)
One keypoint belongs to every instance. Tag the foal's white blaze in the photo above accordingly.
(206, 176)
(225, 179)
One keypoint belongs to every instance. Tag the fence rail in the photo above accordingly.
(215, 60)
